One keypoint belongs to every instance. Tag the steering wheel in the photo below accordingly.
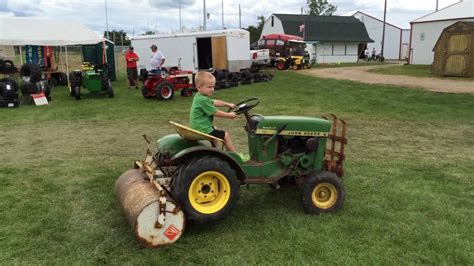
(245, 106)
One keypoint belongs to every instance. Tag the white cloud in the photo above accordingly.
(163, 15)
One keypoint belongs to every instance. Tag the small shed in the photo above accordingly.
(454, 51)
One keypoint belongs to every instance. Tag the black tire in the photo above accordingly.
(54, 82)
(323, 192)
(2, 65)
(29, 88)
(281, 65)
(202, 177)
(32, 71)
(62, 79)
(105, 81)
(77, 93)
(232, 77)
(187, 92)
(12, 83)
(9, 67)
(164, 91)
(110, 92)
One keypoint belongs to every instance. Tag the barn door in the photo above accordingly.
(457, 57)
(219, 52)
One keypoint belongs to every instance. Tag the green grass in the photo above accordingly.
(408, 180)
(407, 70)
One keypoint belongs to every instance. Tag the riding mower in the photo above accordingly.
(190, 177)
(94, 78)
(162, 84)
(294, 62)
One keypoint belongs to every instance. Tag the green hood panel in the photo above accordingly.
(296, 125)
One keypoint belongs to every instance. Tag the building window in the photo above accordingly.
(273, 21)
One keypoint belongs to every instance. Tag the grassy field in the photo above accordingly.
(409, 183)
(408, 70)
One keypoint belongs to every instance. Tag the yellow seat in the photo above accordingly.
(188, 133)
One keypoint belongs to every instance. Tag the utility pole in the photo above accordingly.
(436, 5)
(222, 14)
(106, 21)
(240, 18)
(180, 26)
(204, 15)
(383, 32)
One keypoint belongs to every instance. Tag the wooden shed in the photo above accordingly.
(454, 51)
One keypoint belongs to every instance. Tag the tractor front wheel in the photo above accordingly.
(164, 91)
(323, 192)
(206, 188)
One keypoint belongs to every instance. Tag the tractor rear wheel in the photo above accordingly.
(281, 65)
(323, 192)
(164, 91)
(206, 188)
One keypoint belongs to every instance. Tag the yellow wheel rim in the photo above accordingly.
(324, 195)
(209, 192)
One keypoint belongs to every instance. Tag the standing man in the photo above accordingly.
(373, 53)
(132, 72)
(366, 54)
(157, 58)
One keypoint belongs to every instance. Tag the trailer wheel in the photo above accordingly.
(207, 189)
(164, 91)
(323, 192)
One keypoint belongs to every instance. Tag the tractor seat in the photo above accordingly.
(190, 134)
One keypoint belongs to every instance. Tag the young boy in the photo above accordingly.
(204, 109)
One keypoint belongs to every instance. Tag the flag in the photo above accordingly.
(301, 27)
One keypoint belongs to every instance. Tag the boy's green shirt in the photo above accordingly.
(202, 112)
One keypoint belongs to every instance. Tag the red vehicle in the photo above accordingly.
(282, 45)
(162, 84)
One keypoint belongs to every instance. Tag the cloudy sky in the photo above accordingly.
(136, 17)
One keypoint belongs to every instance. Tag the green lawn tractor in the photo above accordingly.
(93, 78)
(192, 178)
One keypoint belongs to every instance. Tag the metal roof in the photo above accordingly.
(325, 28)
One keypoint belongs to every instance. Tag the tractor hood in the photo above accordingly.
(295, 126)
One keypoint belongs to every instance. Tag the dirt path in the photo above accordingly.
(361, 74)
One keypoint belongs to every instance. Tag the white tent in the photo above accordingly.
(35, 31)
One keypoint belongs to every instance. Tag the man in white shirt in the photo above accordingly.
(157, 58)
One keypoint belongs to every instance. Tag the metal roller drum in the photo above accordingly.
(150, 210)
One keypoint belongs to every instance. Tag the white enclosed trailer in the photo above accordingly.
(224, 49)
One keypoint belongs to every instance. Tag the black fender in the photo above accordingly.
(206, 150)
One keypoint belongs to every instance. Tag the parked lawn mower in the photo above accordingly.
(94, 78)
(161, 84)
(293, 62)
(187, 178)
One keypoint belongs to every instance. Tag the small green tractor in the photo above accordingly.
(94, 78)
(191, 177)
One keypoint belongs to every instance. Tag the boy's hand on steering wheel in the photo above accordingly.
(232, 115)
(231, 105)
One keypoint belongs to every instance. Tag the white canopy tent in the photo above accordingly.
(45, 32)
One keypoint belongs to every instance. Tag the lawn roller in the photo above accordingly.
(161, 84)
(191, 177)
(94, 78)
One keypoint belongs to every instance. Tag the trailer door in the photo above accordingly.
(219, 52)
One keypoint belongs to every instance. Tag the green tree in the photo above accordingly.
(320, 8)
(118, 37)
(256, 31)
